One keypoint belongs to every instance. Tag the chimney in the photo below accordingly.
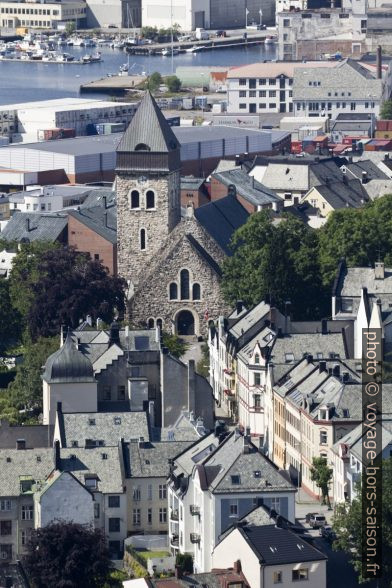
(141, 442)
(27, 224)
(56, 454)
(386, 157)
(379, 270)
(344, 179)
(104, 201)
(239, 306)
(253, 181)
(20, 444)
(106, 219)
(114, 337)
(237, 569)
(322, 366)
(364, 177)
(379, 62)
(191, 385)
(324, 327)
(350, 159)
(247, 441)
(59, 407)
(151, 413)
(336, 371)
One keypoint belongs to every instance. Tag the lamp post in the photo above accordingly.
(261, 17)
(246, 17)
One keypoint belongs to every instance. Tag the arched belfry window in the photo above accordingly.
(142, 147)
(184, 284)
(196, 291)
(173, 291)
(135, 199)
(151, 323)
(142, 239)
(150, 199)
(159, 323)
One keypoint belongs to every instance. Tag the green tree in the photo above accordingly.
(175, 345)
(278, 263)
(25, 274)
(67, 555)
(348, 525)
(361, 236)
(154, 81)
(149, 32)
(321, 474)
(25, 392)
(386, 110)
(173, 83)
(10, 319)
(52, 287)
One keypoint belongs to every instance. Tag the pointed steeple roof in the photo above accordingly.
(148, 130)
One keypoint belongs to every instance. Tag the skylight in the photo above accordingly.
(236, 479)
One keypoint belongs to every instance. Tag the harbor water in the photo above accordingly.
(28, 81)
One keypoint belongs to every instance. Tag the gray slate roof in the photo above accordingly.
(91, 462)
(230, 460)
(107, 427)
(151, 461)
(247, 187)
(221, 219)
(306, 343)
(34, 435)
(35, 227)
(349, 77)
(149, 123)
(356, 168)
(34, 463)
(341, 194)
(99, 219)
(359, 277)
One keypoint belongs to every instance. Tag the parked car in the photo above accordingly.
(328, 533)
(317, 520)
(221, 34)
(310, 514)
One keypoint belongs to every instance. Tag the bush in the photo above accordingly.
(173, 83)
(185, 561)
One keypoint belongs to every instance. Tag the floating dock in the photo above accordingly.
(113, 84)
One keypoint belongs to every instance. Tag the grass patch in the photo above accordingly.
(151, 554)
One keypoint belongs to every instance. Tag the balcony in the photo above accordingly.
(195, 510)
(195, 538)
(174, 514)
(174, 541)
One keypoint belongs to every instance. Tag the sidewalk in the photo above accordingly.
(305, 503)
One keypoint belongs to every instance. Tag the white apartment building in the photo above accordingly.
(48, 198)
(262, 88)
(31, 120)
(348, 87)
(42, 14)
(215, 483)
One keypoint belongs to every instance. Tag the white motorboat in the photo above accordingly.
(270, 40)
(194, 49)
(168, 51)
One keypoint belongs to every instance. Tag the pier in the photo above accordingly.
(113, 84)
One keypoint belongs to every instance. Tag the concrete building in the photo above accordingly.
(31, 121)
(314, 33)
(43, 14)
(213, 484)
(348, 87)
(262, 88)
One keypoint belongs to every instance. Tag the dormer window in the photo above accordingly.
(142, 147)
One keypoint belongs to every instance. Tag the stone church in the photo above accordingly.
(172, 262)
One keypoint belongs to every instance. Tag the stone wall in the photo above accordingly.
(157, 222)
(151, 299)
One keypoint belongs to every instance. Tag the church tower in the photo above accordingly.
(147, 187)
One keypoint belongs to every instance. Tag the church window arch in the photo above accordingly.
(160, 323)
(184, 284)
(151, 323)
(143, 239)
(150, 199)
(135, 199)
(173, 291)
(196, 293)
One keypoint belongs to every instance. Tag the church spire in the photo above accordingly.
(148, 140)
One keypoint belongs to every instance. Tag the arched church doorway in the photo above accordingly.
(185, 323)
